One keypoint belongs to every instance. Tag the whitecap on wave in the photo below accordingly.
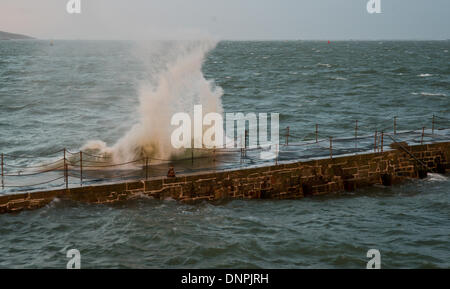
(429, 94)
(436, 177)
(324, 64)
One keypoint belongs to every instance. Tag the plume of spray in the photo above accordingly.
(177, 88)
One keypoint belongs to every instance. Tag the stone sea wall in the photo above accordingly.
(284, 181)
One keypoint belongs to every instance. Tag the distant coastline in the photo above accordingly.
(12, 36)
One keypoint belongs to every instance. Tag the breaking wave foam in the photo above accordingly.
(177, 88)
(429, 94)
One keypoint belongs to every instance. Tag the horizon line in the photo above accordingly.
(244, 40)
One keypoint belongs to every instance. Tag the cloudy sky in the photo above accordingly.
(227, 19)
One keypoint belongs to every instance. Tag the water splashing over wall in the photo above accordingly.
(176, 88)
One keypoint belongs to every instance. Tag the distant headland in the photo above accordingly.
(12, 36)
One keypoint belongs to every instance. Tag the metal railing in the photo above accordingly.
(84, 167)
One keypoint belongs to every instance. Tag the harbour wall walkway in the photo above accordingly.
(282, 181)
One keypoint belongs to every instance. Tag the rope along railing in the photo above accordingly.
(85, 167)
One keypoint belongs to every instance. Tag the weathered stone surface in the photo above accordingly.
(134, 185)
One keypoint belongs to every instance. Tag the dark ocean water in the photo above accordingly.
(74, 91)
(408, 224)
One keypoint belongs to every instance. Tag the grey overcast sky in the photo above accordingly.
(227, 19)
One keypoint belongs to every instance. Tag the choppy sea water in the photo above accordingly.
(74, 91)
(408, 224)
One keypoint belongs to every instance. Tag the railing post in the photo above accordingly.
(146, 168)
(432, 123)
(356, 136)
(81, 168)
(382, 140)
(192, 156)
(66, 174)
(395, 125)
(331, 147)
(379, 142)
(66, 178)
(287, 135)
(317, 133)
(245, 144)
(375, 142)
(214, 154)
(423, 132)
(276, 157)
(245, 139)
(3, 184)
